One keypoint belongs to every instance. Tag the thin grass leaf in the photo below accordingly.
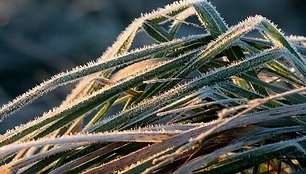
(143, 165)
(198, 106)
(249, 107)
(280, 70)
(186, 89)
(258, 155)
(221, 43)
(210, 18)
(101, 113)
(81, 71)
(179, 19)
(72, 164)
(184, 137)
(126, 136)
(125, 38)
(77, 109)
(277, 38)
(295, 98)
(47, 120)
(254, 137)
(244, 93)
(156, 32)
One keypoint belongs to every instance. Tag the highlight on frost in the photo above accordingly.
(223, 101)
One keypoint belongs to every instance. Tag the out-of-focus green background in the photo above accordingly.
(41, 38)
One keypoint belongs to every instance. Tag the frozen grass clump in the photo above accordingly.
(219, 102)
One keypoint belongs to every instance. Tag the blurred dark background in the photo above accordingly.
(41, 38)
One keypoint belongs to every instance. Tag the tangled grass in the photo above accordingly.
(229, 100)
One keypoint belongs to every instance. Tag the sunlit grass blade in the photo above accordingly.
(277, 38)
(81, 71)
(198, 83)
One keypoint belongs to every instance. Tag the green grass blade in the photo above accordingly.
(176, 93)
(294, 98)
(81, 71)
(275, 36)
(261, 154)
(156, 32)
(240, 142)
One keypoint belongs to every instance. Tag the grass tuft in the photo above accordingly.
(218, 102)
